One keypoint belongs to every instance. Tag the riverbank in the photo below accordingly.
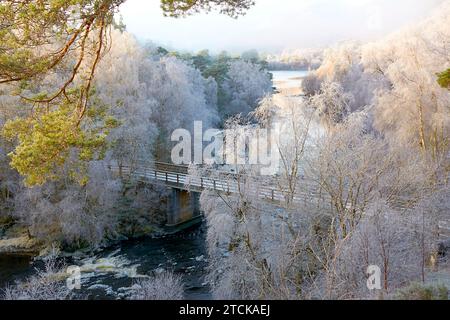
(20, 245)
(15, 240)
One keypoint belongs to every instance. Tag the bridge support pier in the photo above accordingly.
(183, 207)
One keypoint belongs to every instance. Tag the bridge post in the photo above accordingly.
(182, 207)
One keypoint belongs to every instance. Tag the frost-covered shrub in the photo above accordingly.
(164, 286)
(47, 284)
(418, 291)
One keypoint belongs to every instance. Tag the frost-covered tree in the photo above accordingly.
(344, 65)
(119, 85)
(71, 214)
(415, 109)
(299, 59)
(332, 103)
(246, 84)
(151, 97)
(398, 77)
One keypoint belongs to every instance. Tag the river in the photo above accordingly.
(111, 273)
(288, 83)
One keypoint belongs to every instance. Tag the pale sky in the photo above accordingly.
(274, 25)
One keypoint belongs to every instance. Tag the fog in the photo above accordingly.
(275, 25)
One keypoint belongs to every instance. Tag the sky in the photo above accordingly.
(274, 25)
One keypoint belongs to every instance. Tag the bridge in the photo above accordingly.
(185, 188)
(177, 177)
(184, 206)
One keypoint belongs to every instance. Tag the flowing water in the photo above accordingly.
(111, 273)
